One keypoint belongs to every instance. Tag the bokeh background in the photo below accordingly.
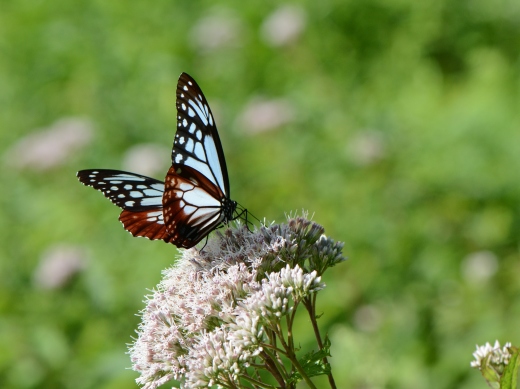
(396, 123)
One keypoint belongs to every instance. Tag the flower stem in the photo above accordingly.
(310, 305)
(292, 357)
(273, 369)
(257, 383)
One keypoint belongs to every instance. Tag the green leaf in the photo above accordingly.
(312, 363)
(510, 376)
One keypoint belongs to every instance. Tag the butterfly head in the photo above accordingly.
(229, 208)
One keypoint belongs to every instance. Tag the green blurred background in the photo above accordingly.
(396, 123)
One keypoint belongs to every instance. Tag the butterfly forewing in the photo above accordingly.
(124, 189)
(139, 196)
(197, 143)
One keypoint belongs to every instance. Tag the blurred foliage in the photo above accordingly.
(404, 144)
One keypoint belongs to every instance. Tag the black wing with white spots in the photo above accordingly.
(196, 198)
(126, 190)
(139, 196)
(197, 143)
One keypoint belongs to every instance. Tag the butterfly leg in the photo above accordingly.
(244, 215)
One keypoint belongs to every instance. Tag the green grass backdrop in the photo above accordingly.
(399, 131)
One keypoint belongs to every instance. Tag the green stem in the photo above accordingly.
(273, 368)
(228, 384)
(290, 321)
(292, 357)
(275, 349)
(310, 305)
(256, 382)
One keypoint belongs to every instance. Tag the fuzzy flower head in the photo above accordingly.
(492, 360)
(208, 319)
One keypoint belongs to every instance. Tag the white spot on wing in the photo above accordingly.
(136, 194)
(152, 193)
(130, 203)
(157, 201)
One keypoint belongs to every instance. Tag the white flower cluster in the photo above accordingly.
(206, 322)
(491, 355)
(272, 301)
(213, 359)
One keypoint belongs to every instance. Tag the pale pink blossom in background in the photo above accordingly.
(50, 147)
(220, 29)
(367, 318)
(366, 148)
(58, 264)
(148, 159)
(479, 266)
(263, 115)
(284, 25)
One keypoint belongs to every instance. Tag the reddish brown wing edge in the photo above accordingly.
(141, 224)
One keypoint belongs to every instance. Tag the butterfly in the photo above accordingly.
(194, 199)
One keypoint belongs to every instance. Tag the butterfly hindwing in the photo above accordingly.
(192, 205)
(148, 224)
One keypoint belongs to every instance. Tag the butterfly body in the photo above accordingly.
(194, 198)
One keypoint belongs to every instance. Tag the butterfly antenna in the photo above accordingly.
(244, 215)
